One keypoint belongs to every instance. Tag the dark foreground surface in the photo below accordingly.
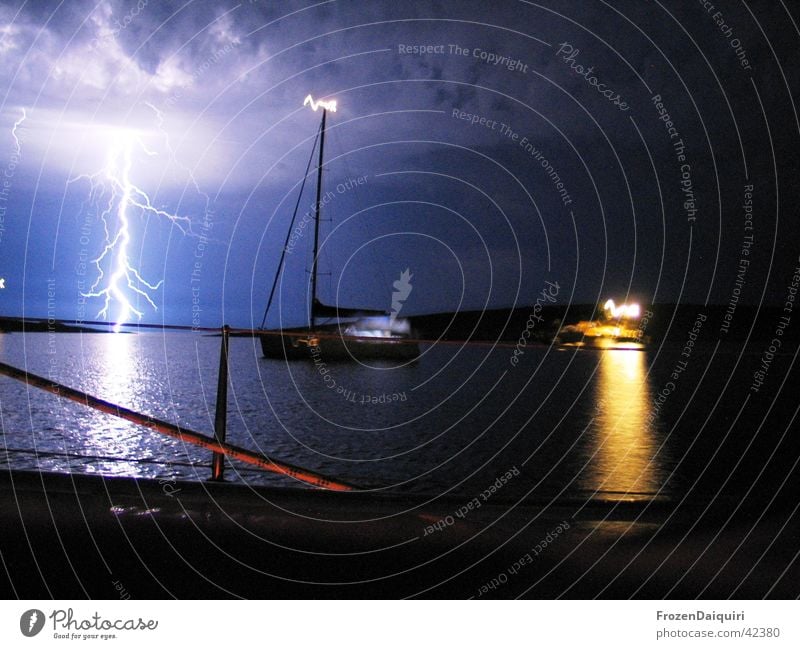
(77, 536)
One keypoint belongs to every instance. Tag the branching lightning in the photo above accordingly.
(173, 157)
(118, 199)
(14, 131)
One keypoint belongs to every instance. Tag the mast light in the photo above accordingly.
(329, 104)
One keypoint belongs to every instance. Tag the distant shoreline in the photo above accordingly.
(43, 325)
(668, 322)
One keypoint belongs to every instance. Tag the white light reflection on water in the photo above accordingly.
(115, 378)
(118, 371)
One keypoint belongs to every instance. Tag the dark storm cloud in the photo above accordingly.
(502, 97)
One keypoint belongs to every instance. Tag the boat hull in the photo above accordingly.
(74, 536)
(326, 346)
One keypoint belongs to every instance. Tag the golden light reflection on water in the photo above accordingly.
(623, 440)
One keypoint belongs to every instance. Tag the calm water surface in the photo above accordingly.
(564, 422)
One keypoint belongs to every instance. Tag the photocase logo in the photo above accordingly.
(402, 289)
(31, 622)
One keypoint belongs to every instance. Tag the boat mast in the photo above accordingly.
(317, 219)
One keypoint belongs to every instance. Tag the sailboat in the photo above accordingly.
(334, 333)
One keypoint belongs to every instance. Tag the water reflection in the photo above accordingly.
(117, 380)
(623, 439)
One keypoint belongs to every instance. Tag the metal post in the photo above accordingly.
(177, 432)
(221, 417)
(317, 209)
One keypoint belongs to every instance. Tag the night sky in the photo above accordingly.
(638, 149)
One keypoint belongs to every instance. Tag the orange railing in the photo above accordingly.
(216, 444)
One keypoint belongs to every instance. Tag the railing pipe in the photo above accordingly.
(221, 416)
(183, 434)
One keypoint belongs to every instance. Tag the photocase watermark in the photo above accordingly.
(504, 130)
(547, 295)
(121, 590)
(477, 53)
(692, 336)
(200, 70)
(402, 48)
(549, 169)
(353, 396)
(52, 348)
(168, 485)
(325, 200)
(679, 149)
(31, 622)
(490, 58)
(402, 289)
(474, 504)
(569, 55)
(727, 32)
(119, 26)
(67, 626)
(525, 560)
(197, 267)
(479, 120)
(84, 238)
(785, 319)
(744, 259)
(128, 18)
(677, 371)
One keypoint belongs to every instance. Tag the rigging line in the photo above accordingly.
(349, 173)
(338, 144)
(334, 144)
(289, 231)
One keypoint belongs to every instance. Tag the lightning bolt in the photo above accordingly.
(32, 621)
(174, 158)
(114, 194)
(14, 130)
